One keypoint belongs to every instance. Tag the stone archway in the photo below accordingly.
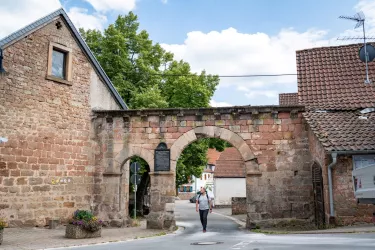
(272, 141)
(251, 165)
(115, 185)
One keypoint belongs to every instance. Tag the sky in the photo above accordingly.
(223, 37)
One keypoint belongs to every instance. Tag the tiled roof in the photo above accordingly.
(230, 164)
(213, 155)
(343, 130)
(6, 41)
(288, 98)
(332, 78)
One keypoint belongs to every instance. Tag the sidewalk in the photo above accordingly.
(41, 238)
(241, 220)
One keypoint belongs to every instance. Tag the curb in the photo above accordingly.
(312, 232)
(178, 231)
(243, 226)
(239, 222)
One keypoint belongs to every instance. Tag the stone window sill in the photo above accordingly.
(59, 80)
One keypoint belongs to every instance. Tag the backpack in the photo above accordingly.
(200, 196)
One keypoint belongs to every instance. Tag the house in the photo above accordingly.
(341, 121)
(230, 178)
(51, 84)
(186, 191)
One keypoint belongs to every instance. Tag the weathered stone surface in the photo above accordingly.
(77, 232)
(239, 205)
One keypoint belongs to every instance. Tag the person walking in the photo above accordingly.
(203, 205)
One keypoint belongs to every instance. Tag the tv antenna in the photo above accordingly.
(360, 19)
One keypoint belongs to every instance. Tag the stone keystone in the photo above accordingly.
(206, 130)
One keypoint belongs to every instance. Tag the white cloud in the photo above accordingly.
(164, 1)
(16, 14)
(214, 103)
(230, 52)
(113, 5)
(82, 19)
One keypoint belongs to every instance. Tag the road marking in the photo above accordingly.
(241, 245)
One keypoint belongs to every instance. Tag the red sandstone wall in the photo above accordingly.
(346, 208)
(48, 127)
(347, 211)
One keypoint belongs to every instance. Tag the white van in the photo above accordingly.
(364, 184)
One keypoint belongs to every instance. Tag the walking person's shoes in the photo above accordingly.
(204, 230)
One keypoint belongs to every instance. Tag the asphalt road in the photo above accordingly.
(226, 233)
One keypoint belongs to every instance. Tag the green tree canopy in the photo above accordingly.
(147, 76)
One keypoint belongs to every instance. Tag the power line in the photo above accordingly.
(223, 76)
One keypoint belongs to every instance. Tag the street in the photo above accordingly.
(223, 233)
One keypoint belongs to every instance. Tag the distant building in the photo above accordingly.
(230, 178)
(186, 191)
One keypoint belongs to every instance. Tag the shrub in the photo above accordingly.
(86, 220)
(2, 223)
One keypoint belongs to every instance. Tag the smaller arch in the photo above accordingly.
(126, 153)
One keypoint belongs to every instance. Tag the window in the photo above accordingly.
(59, 64)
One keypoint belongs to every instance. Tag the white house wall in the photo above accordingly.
(100, 97)
(226, 188)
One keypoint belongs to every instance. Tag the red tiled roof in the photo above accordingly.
(230, 164)
(343, 130)
(213, 155)
(332, 78)
(288, 98)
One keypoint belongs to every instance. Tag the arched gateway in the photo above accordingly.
(271, 140)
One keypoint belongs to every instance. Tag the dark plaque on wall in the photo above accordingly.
(162, 157)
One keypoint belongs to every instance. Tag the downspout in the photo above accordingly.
(330, 166)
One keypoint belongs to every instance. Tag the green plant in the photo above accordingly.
(86, 220)
(3, 224)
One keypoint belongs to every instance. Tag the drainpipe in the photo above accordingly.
(330, 166)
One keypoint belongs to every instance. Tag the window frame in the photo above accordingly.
(67, 63)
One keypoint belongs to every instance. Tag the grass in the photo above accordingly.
(268, 232)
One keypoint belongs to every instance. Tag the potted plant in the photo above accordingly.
(3, 224)
(83, 225)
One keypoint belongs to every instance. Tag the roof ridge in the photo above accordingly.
(83, 45)
(332, 46)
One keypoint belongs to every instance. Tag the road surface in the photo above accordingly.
(223, 233)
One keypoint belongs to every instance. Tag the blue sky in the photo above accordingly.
(225, 37)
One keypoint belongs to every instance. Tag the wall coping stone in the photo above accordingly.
(202, 111)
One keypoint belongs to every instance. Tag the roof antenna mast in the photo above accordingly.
(360, 19)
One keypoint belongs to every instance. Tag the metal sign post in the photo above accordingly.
(135, 179)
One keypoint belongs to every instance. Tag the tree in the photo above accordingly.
(147, 76)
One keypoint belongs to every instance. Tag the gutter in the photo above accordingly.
(330, 167)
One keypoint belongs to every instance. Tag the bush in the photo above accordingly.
(86, 220)
(3, 224)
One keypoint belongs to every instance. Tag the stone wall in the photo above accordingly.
(185, 196)
(347, 211)
(239, 205)
(272, 140)
(47, 167)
